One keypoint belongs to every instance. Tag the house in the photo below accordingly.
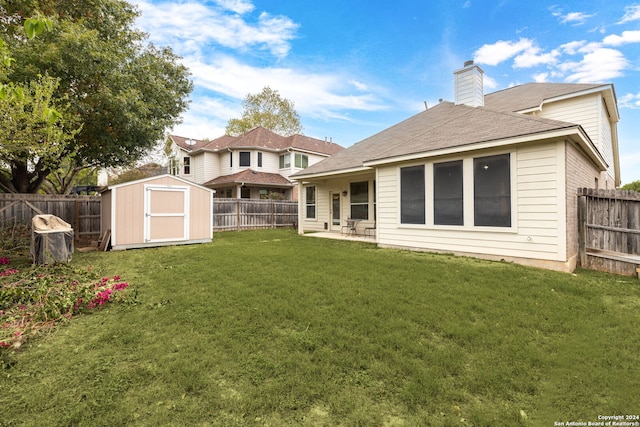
(254, 165)
(491, 176)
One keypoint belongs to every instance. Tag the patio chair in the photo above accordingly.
(370, 230)
(350, 227)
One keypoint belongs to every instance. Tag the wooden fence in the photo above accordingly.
(245, 214)
(609, 230)
(82, 212)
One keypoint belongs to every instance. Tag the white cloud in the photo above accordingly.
(500, 51)
(629, 100)
(572, 48)
(575, 18)
(190, 26)
(626, 37)
(632, 13)
(533, 57)
(540, 77)
(359, 85)
(237, 6)
(489, 83)
(314, 94)
(598, 65)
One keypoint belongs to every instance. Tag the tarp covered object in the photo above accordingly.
(51, 240)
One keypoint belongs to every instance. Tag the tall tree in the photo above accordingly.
(269, 110)
(123, 90)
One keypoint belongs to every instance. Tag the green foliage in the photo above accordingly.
(132, 174)
(268, 110)
(123, 90)
(633, 186)
(38, 298)
(322, 332)
(36, 130)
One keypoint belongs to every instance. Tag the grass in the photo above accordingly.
(269, 328)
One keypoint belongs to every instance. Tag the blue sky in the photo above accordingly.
(353, 68)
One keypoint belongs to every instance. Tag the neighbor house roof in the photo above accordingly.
(260, 138)
(249, 176)
(443, 127)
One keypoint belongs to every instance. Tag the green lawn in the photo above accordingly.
(269, 328)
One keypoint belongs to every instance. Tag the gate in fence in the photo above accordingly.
(609, 230)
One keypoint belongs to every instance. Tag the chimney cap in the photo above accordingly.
(468, 63)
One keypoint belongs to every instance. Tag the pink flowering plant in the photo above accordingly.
(35, 299)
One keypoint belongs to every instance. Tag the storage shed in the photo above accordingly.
(156, 211)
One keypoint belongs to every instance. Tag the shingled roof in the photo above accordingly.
(260, 138)
(249, 176)
(441, 127)
(532, 95)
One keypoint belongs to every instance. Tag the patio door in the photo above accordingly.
(335, 212)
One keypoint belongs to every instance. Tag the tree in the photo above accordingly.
(124, 91)
(269, 110)
(35, 131)
(633, 186)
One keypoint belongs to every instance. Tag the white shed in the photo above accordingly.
(156, 211)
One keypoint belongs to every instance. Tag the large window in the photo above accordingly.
(412, 195)
(448, 206)
(310, 201)
(301, 161)
(492, 191)
(285, 161)
(245, 158)
(359, 200)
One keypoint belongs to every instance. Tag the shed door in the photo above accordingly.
(166, 213)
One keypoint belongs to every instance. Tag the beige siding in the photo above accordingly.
(128, 214)
(584, 111)
(324, 189)
(201, 209)
(538, 200)
(606, 138)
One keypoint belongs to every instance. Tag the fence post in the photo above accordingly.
(582, 230)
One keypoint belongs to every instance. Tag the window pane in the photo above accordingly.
(311, 195)
(448, 207)
(492, 191)
(311, 211)
(259, 160)
(360, 192)
(245, 158)
(360, 211)
(285, 161)
(412, 195)
(359, 200)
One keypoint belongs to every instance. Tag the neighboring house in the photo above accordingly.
(254, 165)
(492, 176)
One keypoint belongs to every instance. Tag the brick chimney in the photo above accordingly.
(469, 89)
